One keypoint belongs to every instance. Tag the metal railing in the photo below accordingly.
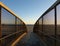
(7, 40)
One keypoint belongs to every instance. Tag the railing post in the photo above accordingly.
(55, 24)
(16, 25)
(0, 26)
(42, 29)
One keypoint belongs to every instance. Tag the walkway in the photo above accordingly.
(31, 39)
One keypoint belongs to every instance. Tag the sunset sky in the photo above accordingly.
(28, 10)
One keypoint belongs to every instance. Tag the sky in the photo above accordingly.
(28, 10)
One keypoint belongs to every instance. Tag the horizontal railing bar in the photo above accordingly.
(10, 35)
(50, 36)
(18, 39)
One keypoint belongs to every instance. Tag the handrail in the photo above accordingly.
(18, 39)
(50, 36)
(10, 35)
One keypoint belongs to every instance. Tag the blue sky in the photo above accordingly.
(28, 10)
